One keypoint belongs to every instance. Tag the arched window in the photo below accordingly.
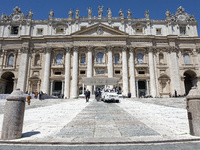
(59, 58)
(186, 59)
(11, 60)
(161, 58)
(140, 58)
(116, 58)
(37, 60)
(100, 57)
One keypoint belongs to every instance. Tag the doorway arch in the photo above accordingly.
(9, 82)
(190, 80)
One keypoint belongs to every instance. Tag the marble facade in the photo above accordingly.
(151, 57)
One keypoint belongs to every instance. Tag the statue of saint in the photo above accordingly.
(30, 14)
(147, 14)
(51, 14)
(70, 14)
(77, 13)
(3, 17)
(89, 12)
(121, 14)
(100, 11)
(129, 14)
(167, 14)
(109, 13)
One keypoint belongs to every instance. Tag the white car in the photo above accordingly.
(107, 96)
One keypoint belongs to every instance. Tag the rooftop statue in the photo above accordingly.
(180, 10)
(51, 14)
(167, 14)
(109, 13)
(30, 14)
(121, 14)
(89, 12)
(17, 10)
(70, 14)
(147, 14)
(77, 13)
(129, 14)
(3, 16)
(100, 11)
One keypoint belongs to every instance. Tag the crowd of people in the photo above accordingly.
(36, 96)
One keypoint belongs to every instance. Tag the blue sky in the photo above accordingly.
(157, 8)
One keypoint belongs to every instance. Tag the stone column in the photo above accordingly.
(74, 83)
(51, 87)
(13, 116)
(137, 87)
(147, 85)
(63, 85)
(174, 71)
(124, 71)
(110, 63)
(83, 89)
(22, 76)
(47, 67)
(132, 72)
(89, 65)
(152, 73)
(67, 72)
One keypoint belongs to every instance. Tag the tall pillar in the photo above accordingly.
(137, 88)
(132, 72)
(83, 92)
(110, 63)
(89, 65)
(174, 71)
(67, 72)
(22, 76)
(74, 83)
(124, 71)
(147, 86)
(152, 73)
(51, 90)
(47, 68)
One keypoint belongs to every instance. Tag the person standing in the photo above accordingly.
(87, 95)
(28, 99)
(175, 93)
(40, 95)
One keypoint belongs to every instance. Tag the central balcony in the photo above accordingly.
(96, 64)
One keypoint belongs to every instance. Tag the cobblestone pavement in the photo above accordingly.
(74, 120)
(100, 120)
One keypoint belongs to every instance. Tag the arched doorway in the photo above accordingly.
(9, 82)
(189, 80)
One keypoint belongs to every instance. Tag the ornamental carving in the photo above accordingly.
(173, 49)
(99, 30)
(132, 49)
(124, 48)
(89, 48)
(75, 48)
(109, 47)
(48, 49)
(68, 49)
(24, 50)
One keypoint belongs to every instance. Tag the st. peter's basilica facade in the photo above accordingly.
(148, 56)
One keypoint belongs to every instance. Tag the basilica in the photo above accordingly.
(142, 56)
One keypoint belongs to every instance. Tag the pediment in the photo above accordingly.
(99, 30)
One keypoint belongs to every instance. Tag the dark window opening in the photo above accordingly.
(82, 72)
(58, 86)
(141, 72)
(57, 73)
(117, 71)
(14, 30)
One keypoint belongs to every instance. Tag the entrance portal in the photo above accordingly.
(8, 76)
(141, 88)
(57, 90)
(189, 80)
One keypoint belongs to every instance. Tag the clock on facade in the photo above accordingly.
(181, 17)
(16, 17)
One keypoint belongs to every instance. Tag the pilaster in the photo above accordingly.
(67, 72)
(89, 65)
(132, 72)
(124, 70)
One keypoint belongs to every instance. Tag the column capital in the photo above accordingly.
(124, 48)
(90, 48)
(151, 48)
(131, 48)
(68, 49)
(173, 49)
(110, 47)
(198, 49)
(24, 50)
(75, 48)
(48, 49)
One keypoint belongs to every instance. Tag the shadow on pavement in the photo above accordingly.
(28, 134)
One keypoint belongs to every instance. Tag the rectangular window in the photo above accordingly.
(59, 30)
(182, 30)
(139, 30)
(57, 73)
(141, 72)
(82, 72)
(100, 71)
(82, 60)
(116, 60)
(14, 30)
(158, 31)
(39, 31)
(117, 71)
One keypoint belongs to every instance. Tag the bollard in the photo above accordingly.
(13, 116)
(193, 109)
